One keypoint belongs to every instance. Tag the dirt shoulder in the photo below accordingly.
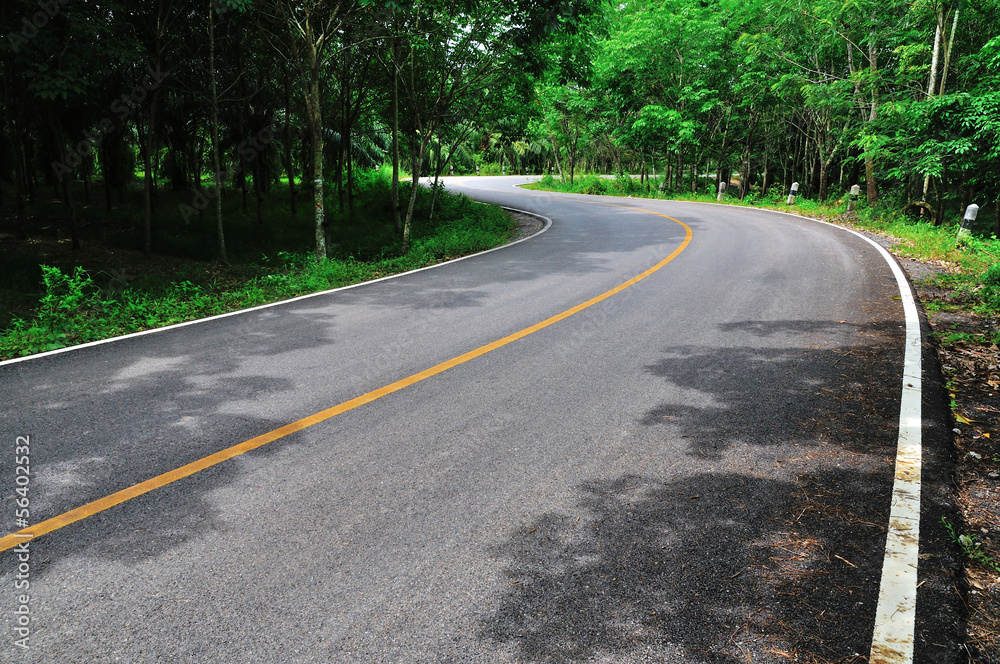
(527, 224)
(970, 368)
(972, 384)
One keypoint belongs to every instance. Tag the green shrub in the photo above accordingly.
(991, 287)
(624, 184)
(68, 297)
(592, 185)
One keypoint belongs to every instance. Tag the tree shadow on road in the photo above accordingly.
(714, 568)
(825, 381)
(779, 560)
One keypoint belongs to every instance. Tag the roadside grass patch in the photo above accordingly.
(76, 306)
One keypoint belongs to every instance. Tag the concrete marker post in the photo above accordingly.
(852, 202)
(722, 192)
(965, 230)
(792, 193)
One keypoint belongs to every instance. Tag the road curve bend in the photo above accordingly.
(656, 432)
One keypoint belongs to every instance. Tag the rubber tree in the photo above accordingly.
(312, 28)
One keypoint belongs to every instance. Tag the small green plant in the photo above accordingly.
(68, 297)
(970, 546)
(593, 185)
(991, 287)
(72, 309)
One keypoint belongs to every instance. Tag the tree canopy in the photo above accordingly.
(221, 96)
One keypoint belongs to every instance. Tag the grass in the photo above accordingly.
(973, 264)
(973, 551)
(71, 305)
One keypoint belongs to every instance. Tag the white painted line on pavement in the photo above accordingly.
(548, 224)
(895, 615)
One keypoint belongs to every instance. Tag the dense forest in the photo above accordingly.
(196, 101)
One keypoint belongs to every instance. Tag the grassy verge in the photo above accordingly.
(970, 269)
(73, 304)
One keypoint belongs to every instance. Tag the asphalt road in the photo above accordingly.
(696, 469)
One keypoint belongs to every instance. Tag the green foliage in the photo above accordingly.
(991, 287)
(970, 546)
(70, 302)
(592, 184)
(73, 310)
(978, 276)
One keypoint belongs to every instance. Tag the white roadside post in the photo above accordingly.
(722, 192)
(965, 230)
(792, 193)
(853, 200)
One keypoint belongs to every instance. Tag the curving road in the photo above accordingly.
(696, 468)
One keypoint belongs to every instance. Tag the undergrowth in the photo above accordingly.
(74, 309)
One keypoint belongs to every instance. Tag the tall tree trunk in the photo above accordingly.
(220, 234)
(572, 153)
(947, 53)
(938, 30)
(339, 170)
(85, 172)
(147, 160)
(30, 175)
(342, 149)
(316, 139)
(555, 150)
(73, 226)
(415, 162)
(871, 187)
(20, 175)
(288, 147)
(107, 189)
(348, 138)
(438, 170)
(765, 183)
(996, 218)
(258, 187)
(722, 154)
(67, 180)
(394, 191)
(241, 173)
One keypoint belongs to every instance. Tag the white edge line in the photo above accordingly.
(89, 344)
(895, 615)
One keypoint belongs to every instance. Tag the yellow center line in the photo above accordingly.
(119, 497)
